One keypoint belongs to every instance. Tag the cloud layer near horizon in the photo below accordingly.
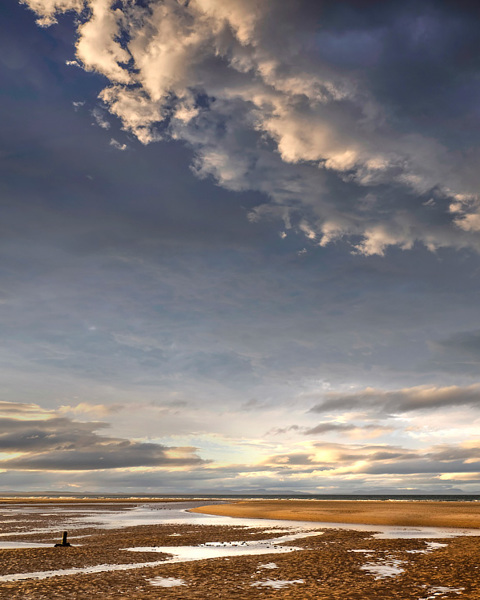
(287, 99)
(406, 400)
(51, 443)
(40, 440)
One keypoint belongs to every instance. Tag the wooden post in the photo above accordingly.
(64, 541)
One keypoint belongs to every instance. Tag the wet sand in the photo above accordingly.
(329, 566)
(371, 512)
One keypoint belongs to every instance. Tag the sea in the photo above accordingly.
(462, 497)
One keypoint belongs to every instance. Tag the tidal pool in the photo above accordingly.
(166, 582)
(228, 549)
(436, 593)
(276, 584)
(382, 569)
(77, 571)
(20, 545)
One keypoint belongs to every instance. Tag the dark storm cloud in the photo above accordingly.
(402, 401)
(60, 443)
(116, 454)
(38, 435)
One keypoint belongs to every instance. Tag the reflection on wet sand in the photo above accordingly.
(78, 571)
(166, 582)
(276, 584)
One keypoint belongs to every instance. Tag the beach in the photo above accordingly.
(152, 550)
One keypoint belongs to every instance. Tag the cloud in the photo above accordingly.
(86, 408)
(334, 460)
(118, 145)
(47, 9)
(457, 353)
(403, 400)
(350, 429)
(100, 119)
(59, 445)
(34, 439)
(465, 343)
(292, 458)
(21, 410)
(288, 99)
(283, 430)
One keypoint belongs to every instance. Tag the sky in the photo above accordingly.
(240, 246)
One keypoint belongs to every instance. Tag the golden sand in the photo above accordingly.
(371, 512)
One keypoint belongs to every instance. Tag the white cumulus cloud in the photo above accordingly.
(255, 89)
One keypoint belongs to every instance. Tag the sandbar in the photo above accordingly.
(418, 513)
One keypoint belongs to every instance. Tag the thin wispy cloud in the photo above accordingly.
(422, 398)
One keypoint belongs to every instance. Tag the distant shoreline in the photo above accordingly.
(230, 496)
(423, 513)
